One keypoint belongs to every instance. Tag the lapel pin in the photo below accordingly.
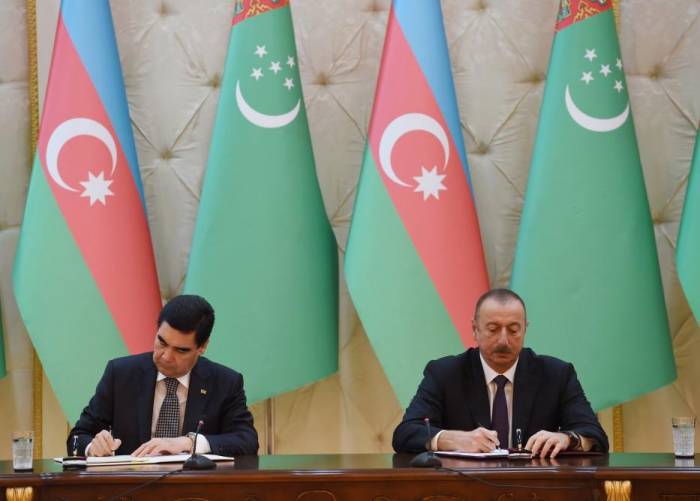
(203, 391)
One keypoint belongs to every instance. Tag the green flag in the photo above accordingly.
(586, 261)
(263, 251)
(688, 245)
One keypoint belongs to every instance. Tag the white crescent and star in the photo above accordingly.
(402, 125)
(591, 123)
(261, 119)
(68, 130)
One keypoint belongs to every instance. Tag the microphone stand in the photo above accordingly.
(426, 459)
(198, 461)
(74, 462)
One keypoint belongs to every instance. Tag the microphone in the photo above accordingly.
(198, 461)
(74, 461)
(426, 459)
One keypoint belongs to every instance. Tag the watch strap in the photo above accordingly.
(574, 439)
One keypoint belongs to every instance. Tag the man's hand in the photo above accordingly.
(479, 440)
(104, 444)
(158, 446)
(546, 442)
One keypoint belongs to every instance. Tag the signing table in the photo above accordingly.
(376, 477)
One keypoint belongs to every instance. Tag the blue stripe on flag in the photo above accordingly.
(422, 25)
(89, 23)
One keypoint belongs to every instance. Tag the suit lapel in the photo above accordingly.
(196, 396)
(144, 399)
(477, 393)
(527, 382)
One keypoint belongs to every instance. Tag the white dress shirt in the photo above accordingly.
(489, 375)
(203, 446)
(158, 397)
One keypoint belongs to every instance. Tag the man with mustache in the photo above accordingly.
(500, 394)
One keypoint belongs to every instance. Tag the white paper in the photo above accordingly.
(496, 453)
(128, 459)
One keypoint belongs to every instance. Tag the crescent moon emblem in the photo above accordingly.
(402, 125)
(592, 123)
(68, 130)
(261, 119)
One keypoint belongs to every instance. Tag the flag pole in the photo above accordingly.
(270, 428)
(37, 370)
(618, 425)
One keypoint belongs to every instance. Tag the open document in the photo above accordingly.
(494, 454)
(128, 459)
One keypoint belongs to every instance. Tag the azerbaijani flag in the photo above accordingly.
(414, 263)
(85, 276)
(586, 262)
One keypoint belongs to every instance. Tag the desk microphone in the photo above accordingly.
(198, 461)
(74, 461)
(426, 459)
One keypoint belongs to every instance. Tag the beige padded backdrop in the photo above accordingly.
(172, 53)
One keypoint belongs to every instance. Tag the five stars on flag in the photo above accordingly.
(605, 70)
(275, 67)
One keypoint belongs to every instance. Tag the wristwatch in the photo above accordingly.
(574, 439)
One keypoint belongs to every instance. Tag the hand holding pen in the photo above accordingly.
(104, 444)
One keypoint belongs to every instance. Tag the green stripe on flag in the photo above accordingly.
(688, 248)
(67, 320)
(405, 319)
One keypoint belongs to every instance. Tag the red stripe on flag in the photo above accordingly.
(440, 218)
(245, 9)
(110, 229)
(573, 11)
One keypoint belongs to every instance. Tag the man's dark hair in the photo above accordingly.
(187, 313)
(503, 296)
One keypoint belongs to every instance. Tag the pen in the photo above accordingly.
(109, 428)
(482, 426)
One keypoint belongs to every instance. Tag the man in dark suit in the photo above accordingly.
(150, 404)
(499, 394)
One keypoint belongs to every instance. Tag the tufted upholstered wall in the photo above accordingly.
(172, 54)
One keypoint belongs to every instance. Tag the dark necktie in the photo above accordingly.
(499, 414)
(168, 424)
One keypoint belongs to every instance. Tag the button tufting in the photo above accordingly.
(482, 149)
(374, 7)
(536, 78)
(322, 79)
